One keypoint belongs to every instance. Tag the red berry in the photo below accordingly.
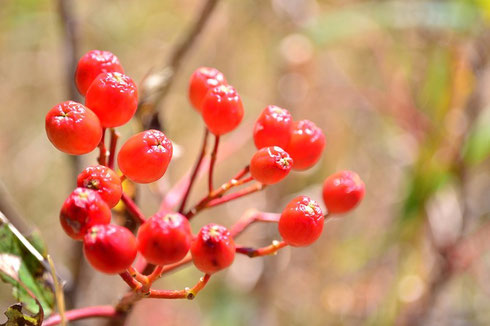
(270, 165)
(164, 238)
(306, 144)
(81, 210)
(113, 97)
(104, 180)
(144, 157)
(273, 127)
(72, 128)
(343, 191)
(301, 222)
(222, 109)
(91, 65)
(202, 80)
(213, 249)
(109, 248)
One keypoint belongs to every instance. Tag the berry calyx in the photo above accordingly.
(343, 191)
(144, 157)
(273, 127)
(113, 97)
(164, 238)
(270, 165)
(202, 80)
(73, 128)
(213, 249)
(306, 145)
(91, 65)
(110, 249)
(222, 109)
(103, 180)
(81, 210)
(301, 222)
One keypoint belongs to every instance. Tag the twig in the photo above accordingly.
(133, 209)
(83, 313)
(214, 154)
(112, 148)
(264, 251)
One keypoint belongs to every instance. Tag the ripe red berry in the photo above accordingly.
(270, 165)
(164, 238)
(306, 144)
(343, 191)
(72, 128)
(144, 157)
(222, 109)
(301, 222)
(103, 180)
(81, 210)
(109, 248)
(113, 97)
(213, 249)
(273, 127)
(91, 65)
(202, 80)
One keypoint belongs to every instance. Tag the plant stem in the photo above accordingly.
(264, 251)
(133, 209)
(214, 154)
(112, 148)
(133, 284)
(244, 192)
(102, 159)
(251, 216)
(181, 294)
(82, 313)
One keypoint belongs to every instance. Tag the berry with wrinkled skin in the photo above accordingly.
(301, 222)
(91, 65)
(73, 128)
(213, 249)
(81, 210)
(222, 109)
(202, 80)
(343, 191)
(144, 157)
(164, 238)
(306, 145)
(110, 249)
(114, 98)
(270, 165)
(273, 128)
(103, 180)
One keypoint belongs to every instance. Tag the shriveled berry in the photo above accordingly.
(222, 109)
(144, 157)
(202, 80)
(165, 238)
(103, 180)
(270, 165)
(306, 144)
(343, 191)
(91, 65)
(273, 127)
(301, 222)
(81, 210)
(113, 97)
(213, 249)
(73, 128)
(110, 249)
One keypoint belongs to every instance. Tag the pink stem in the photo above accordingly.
(133, 209)
(112, 149)
(82, 313)
(102, 150)
(244, 192)
(214, 154)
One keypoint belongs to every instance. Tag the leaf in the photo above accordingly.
(15, 317)
(477, 146)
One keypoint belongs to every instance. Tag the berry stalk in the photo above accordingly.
(102, 159)
(112, 148)
(133, 209)
(214, 154)
(244, 192)
(181, 294)
(82, 313)
(264, 251)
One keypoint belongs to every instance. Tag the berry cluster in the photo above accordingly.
(165, 240)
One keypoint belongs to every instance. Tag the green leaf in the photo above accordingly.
(477, 146)
(15, 317)
(22, 266)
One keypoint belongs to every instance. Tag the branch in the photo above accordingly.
(264, 251)
(83, 313)
(214, 154)
(133, 209)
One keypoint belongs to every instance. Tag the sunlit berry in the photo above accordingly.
(343, 191)
(202, 80)
(270, 165)
(103, 180)
(273, 127)
(222, 109)
(306, 145)
(213, 249)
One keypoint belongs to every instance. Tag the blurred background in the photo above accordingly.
(400, 88)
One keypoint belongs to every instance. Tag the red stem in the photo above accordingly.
(214, 154)
(133, 284)
(102, 159)
(112, 149)
(244, 192)
(264, 251)
(133, 209)
(82, 313)
(252, 216)
(181, 294)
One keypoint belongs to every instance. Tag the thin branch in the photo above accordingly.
(112, 148)
(133, 209)
(182, 294)
(264, 251)
(214, 154)
(83, 313)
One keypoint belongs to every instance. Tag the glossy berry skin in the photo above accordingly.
(91, 65)
(222, 109)
(306, 145)
(110, 249)
(73, 128)
(103, 180)
(270, 165)
(202, 80)
(213, 249)
(113, 97)
(342, 192)
(81, 210)
(273, 128)
(165, 238)
(301, 222)
(144, 157)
